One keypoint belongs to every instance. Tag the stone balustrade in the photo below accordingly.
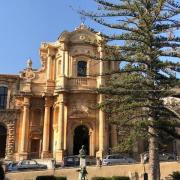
(81, 83)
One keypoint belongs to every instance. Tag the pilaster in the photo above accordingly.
(60, 141)
(24, 129)
(46, 128)
(101, 130)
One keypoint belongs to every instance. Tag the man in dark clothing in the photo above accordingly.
(1, 172)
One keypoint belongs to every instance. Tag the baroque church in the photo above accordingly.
(47, 112)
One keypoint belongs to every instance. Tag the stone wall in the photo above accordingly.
(8, 119)
(118, 170)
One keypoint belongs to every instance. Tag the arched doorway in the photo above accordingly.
(81, 137)
(3, 136)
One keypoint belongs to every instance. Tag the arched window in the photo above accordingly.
(82, 68)
(3, 97)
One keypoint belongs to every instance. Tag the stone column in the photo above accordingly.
(46, 129)
(24, 129)
(100, 80)
(65, 127)
(49, 62)
(92, 143)
(101, 130)
(113, 136)
(63, 61)
(60, 138)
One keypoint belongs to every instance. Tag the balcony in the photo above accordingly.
(81, 83)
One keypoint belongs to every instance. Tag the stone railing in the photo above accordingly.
(81, 83)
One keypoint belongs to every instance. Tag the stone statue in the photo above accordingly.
(82, 152)
(29, 64)
(82, 171)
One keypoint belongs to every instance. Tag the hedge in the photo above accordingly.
(50, 178)
(101, 178)
(175, 175)
(120, 178)
(111, 178)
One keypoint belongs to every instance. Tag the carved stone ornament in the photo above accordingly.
(82, 26)
(28, 73)
(79, 111)
(78, 114)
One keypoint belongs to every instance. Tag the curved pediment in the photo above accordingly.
(82, 34)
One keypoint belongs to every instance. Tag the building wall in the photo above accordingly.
(134, 171)
(52, 101)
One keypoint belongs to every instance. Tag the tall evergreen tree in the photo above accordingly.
(147, 48)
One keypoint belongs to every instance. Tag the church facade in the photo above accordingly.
(49, 112)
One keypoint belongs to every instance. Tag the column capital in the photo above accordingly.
(51, 52)
(61, 98)
(26, 101)
(48, 101)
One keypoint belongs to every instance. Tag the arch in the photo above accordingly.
(82, 68)
(3, 137)
(81, 137)
(3, 96)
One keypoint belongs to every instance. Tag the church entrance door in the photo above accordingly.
(3, 137)
(81, 137)
(35, 147)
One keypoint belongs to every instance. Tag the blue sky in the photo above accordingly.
(27, 23)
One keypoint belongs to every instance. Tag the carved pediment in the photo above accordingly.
(83, 36)
(78, 114)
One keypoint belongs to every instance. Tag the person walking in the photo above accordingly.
(2, 174)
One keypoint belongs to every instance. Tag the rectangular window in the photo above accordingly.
(3, 97)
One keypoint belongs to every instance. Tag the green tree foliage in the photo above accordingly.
(149, 51)
(175, 175)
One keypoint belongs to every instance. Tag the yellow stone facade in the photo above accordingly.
(54, 102)
(50, 112)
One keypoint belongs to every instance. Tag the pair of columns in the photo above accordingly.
(46, 129)
(25, 129)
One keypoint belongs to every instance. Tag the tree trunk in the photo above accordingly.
(154, 166)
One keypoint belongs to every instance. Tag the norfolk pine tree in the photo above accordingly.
(147, 48)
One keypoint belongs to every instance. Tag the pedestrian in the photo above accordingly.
(1, 172)
(98, 162)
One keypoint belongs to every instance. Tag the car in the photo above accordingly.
(167, 157)
(73, 161)
(162, 157)
(116, 159)
(90, 160)
(30, 164)
(12, 166)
